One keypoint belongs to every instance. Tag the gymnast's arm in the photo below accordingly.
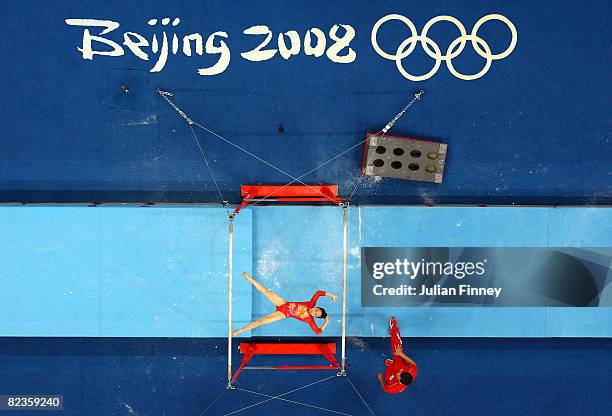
(320, 293)
(399, 351)
(316, 297)
(333, 297)
(314, 326)
(325, 324)
(381, 379)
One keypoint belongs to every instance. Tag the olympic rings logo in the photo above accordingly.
(432, 49)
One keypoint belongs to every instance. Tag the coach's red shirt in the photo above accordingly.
(397, 365)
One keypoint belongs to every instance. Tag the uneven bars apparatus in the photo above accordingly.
(288, 193)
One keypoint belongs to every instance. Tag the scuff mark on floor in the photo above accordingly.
(129, 408)
(152, 119)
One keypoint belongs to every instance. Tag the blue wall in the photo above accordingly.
(119, 271)
(534, 130)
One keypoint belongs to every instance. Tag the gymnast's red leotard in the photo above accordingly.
(301, 310)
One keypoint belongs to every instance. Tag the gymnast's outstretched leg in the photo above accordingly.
(268, 319)
(272, 297)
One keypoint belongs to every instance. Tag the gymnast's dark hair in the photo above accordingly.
(405, 378)
(323, 313)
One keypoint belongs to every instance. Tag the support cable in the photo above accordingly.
(263, 161)
(294, 402)
(399, 115)
(280, 395)
(360, 396)
(355, 188)
(165, 95)
(417, 97)
(213, 402)
(223, 200)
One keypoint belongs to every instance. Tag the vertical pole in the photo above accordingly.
(343, 358)
(229, 303)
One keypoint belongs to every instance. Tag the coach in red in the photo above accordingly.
(401, 370)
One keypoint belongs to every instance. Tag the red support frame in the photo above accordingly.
(250, 349)
(288, 193)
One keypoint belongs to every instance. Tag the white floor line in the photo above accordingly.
(284, 394)
(360, 396)
(213, 402)
(294, 402)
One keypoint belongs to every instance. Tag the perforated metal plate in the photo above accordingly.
(404, 158)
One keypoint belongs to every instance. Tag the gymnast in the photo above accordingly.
(302, 311)
(401, 370)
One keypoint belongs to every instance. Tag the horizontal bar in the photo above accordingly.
(292, 367)
(296, 199)
(307, 367)
(264, 348)
(288, 190)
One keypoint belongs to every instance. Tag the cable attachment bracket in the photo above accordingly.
(162, 92)
(417, 97)
(165, 95)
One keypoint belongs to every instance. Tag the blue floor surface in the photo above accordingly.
(182, 377)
